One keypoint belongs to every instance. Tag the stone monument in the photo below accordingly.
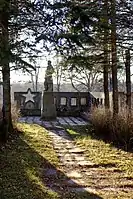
(28, 102)
(49, 109)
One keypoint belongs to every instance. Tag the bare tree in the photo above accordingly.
(58, 73)
(84, 79)
(34, 79)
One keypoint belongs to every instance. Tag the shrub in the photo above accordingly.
(3, 124)
(118, 129)
(15, 113)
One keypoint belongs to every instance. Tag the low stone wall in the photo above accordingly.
(72, 103)
(66, 103)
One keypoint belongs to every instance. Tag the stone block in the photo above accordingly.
(49, 109)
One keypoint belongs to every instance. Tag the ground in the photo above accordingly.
(112, 171)
(22, 161)
(32, 166)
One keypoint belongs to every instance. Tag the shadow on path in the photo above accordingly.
(26, 174)
(88, 130)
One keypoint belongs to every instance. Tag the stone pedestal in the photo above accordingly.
(49, 109)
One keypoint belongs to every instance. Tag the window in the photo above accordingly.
(63, 101)
(83, 101)
(73, 101)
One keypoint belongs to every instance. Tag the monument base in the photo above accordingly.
(49, 109)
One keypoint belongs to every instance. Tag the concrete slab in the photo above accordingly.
(30, 120)
(75, 182)
(84, 189)
(61, 121)
(69, 121)
(74, 174)
(47, 124)
(22, 119)
(76, 150)
(85, 163)
(37, 120)
(79, 158)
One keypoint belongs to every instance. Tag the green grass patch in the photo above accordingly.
(115, 165)
(22, 164)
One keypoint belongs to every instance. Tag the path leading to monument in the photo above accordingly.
(75, 173)
(72, 159)
(71, 121)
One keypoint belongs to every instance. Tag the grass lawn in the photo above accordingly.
(112, 173)
(27, 156)
(22, 164)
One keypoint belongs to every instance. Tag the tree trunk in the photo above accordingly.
(114, 58)
(58, 80)
(106, 61)
(5, 66)
(36, 82)
(32, 80)
(6, 96)
(128, 80)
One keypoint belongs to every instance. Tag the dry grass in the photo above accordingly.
(15, 113)
(111, 174)
(24, 163)
(118, 129)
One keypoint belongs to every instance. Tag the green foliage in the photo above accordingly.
(22, 49)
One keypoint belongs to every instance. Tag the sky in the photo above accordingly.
(20, 77)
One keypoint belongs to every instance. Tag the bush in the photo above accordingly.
(118, 129)
(15, 113)
(3, 124)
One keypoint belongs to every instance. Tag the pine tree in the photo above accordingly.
(16, 19)
(4, 61)
(114, 57)
(128, 80)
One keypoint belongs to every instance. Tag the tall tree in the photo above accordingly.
(4, 61)
(74, 26)
(128, 80)
(34, 78)
(15, 47)
(106, 57)
(114, 57)
(58, 72)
